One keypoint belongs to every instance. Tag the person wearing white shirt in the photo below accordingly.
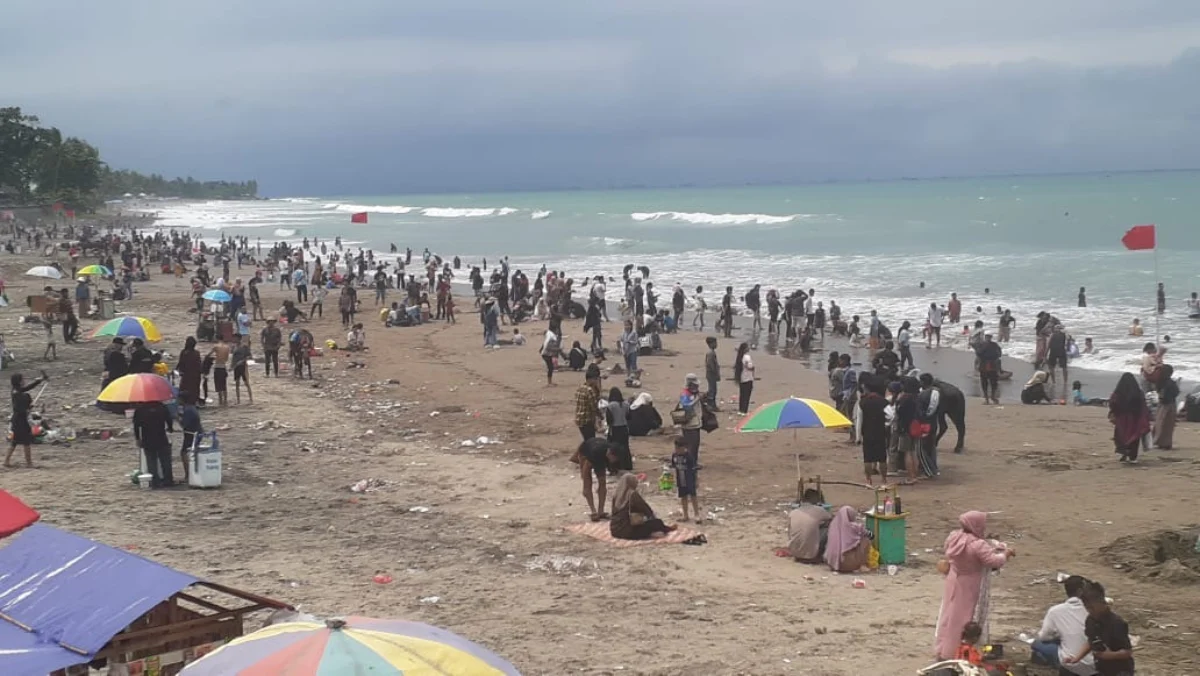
(1062, 634)
(933, 326)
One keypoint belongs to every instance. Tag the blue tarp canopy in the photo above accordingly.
(63, 597)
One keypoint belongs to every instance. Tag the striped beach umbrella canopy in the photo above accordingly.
(95, 270)
(793, 413)
(133, 389)
(217, 296)
(129, 327)
(354, 645)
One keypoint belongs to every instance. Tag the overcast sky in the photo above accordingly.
(385, 96)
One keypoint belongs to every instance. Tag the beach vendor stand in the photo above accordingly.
(79, 607)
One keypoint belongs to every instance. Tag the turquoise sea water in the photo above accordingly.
(1032, 240)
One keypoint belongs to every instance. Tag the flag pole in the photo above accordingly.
(1158, 280)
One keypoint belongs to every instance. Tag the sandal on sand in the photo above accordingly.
(697, 540)
(595, 518)
(603, 516)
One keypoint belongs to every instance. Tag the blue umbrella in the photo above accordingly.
(217, 295)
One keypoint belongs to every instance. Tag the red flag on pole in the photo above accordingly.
(360, 217)
(69, 213)
(57, 207)
(1139, 238)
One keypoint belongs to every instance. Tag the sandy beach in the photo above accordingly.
(473, 534)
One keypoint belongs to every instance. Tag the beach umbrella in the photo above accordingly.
(354, 645)
(134, 390)
(95, 270)
(129, 327)
(46, 271)
(793, 413)
(217, 295)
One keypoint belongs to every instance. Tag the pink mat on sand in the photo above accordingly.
(599, 531)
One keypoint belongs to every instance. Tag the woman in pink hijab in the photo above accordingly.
(971, 559)
(848, 544)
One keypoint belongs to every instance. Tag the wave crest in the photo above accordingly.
(284, 232)
(458, 212)
(701, 218)
(539, 215)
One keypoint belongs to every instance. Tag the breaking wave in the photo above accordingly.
(539, 215)
(455, 212)
(702, 218)
(357, 208)
(284, 232)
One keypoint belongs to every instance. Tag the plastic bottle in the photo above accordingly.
(888, 507)
(897, 507)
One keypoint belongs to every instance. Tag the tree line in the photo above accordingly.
(40, 165)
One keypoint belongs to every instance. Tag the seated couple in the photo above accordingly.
(816, 536)
(632, 518)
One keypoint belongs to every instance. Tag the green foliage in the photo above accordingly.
(115, 183)
(38, 164)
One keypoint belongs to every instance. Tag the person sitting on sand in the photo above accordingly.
(518, 338)
(632, 518)
(808, 528)
(1034, 391)
(1080, 400)
(577, 357)
(848, 544)
(356, 339)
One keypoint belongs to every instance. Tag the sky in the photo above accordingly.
(384, 96)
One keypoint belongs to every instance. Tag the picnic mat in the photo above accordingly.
(599, 531)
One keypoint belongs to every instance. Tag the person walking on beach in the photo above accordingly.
(754, 304)
(300, 282)
(988, 356)
(592, 322)
(256, 298)
(220, 370)
(712, 372)
(552, 347)
(489, 316)
(773, 308)
(969, 558)
(83, 297)
(677, 301)
(241, 368)
(726, 321)
(318, 300)
(587, 403)
(271, 340)
(1129, 416)
(904, 344)
(933, 325)
(743, 373)
(701, 306)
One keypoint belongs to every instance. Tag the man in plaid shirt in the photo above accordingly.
(587, 403)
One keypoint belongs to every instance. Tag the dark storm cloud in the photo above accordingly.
(371, 96)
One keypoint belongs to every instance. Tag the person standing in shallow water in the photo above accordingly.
(1162, 298)
(1082, 297)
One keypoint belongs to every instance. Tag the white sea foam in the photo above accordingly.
(293, 200)
(284, 232)
(539, 215)
(458, 212)
(372, 208)
(702, 218)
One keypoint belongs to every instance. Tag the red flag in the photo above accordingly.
(360, 217)
(1139, 237)
(69, 213)
(57, 207)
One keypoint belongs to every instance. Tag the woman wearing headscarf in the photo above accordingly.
(848, 544)
(189, 367)
(743, 373)
(969, 560)
(1168, 398)
(617, 417)
(1034, 391)
(632, 518)
(1130, 417)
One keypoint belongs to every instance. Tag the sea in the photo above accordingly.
(1024, 243)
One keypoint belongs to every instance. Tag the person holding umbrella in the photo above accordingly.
(22, 434)
(151, 422)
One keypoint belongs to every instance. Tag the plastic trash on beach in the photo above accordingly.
(859, 583)
(420, 509)
(431, 600)
(467, 443)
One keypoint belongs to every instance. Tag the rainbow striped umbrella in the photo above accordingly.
(129, 327)
(136, 388)
(793, 413)
(354, 645)
(95, 270)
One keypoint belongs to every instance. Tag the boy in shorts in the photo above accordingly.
(685, 478)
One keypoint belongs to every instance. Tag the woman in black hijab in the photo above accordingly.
(22, 434)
